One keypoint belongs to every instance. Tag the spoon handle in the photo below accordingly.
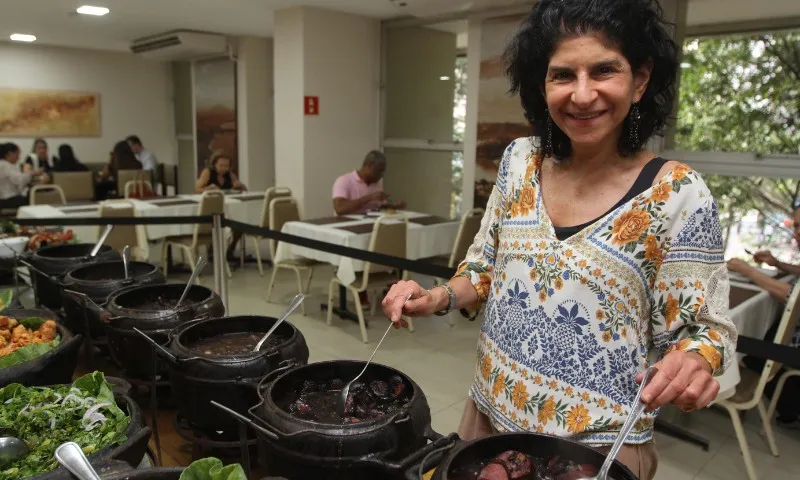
(636, 411)
(291, 308)
(102, 240)
(126, 253)
(200, 265)
(72, 458)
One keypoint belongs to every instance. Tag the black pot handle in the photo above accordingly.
(289, 365)
(428, 456)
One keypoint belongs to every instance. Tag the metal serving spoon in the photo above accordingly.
(72, 458)
(126, 253)
(11, 448)
(201, 264)
(99, 244)
(341, 400)
(291, 308)
(636, 411)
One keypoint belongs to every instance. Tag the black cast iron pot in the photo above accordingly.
(98, 281)
(53, 262)
(453, 462)
(197, 379)
(54, 367)
(146, 308)
(131, 451)
(380, 448)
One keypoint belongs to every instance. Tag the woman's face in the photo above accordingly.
(223, 165)
(590, 88)
(40, 150)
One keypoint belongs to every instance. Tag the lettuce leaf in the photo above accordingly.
(212, 469)
(6, 296)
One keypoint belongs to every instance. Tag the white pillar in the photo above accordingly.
(335, 57)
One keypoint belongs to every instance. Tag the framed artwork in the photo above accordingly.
(49, 113)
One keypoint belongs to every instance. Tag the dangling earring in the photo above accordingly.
(636, 118)
(548, 139)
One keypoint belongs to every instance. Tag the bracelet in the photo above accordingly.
(451, 299)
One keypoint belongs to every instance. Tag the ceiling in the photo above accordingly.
(55, 23)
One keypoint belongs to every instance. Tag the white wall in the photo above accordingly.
(255, 112)
(135, 95)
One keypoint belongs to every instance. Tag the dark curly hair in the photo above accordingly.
(636, 27)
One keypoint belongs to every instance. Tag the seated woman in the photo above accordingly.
(13, 183)
(121, 158)
(40, 160)
(789, 403)
(218, 176)
(67, 162)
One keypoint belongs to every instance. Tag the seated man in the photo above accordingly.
(362, 190)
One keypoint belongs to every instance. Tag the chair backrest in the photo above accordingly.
(138, 189)
(212, 202)
(168, 177)
(281, 211)
(389, 236)
(76, 186)
(470, 224)
(271, 194)
(125, 176)
(122, 234)
(47, 195)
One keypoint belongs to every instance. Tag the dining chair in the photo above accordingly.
(122, 234)
(125, 176)
(47, 195)
(271, 194)
(77, 186)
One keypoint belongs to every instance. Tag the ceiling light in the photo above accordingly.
(444, 78)
(22, 37)
(90, 10)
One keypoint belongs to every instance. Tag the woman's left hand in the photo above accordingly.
(684, 380)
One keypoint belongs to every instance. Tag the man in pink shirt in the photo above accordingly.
(362, 190)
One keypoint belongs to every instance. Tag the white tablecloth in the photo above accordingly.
(423, 241)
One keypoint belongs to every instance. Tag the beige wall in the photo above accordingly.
(419, 105)
(135, 95)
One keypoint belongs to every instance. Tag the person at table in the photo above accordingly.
(40, 160)
(13, 182)
(121, 158)
(67, 161)
(146, 157)
(362, 190)
(788, 406)
(593, 252)
(218, 176)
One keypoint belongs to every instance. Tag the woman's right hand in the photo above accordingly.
(421, 302)
(765, 256)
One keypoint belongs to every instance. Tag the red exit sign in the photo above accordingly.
(311, 105)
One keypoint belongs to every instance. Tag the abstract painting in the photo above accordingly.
(215, 114)
(49, 113)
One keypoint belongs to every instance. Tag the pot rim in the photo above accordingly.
(38, 253)
(90, 283)
(156, 314)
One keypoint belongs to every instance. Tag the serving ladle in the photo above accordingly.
(291, 308)
(71, 456)
(99, 244)
(636, 411)
(126, 254)
(341, 400)
(11, 449)
(200, 265)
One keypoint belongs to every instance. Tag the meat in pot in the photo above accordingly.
(513, 465)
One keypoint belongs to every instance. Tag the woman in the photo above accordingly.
(121, 158)
(13, 182)
(593, 252)
(789, 404)
(39, 160)
(67, 162)
(218, 176)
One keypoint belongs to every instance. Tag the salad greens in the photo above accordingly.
(29, 352)
(6, 296)
(44, 418)
(212, 469)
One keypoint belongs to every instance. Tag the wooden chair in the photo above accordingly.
(122, 234)
(281, 211)
(125, 176)
(211, 203)
(47, 195)
(77, 186)
(389, 236)
(271, 194)
(750, 390)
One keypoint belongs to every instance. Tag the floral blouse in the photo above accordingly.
(568, 324)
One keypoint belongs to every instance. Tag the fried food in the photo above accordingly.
(14, 336)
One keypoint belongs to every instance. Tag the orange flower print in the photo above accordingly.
(540, 429)
(547, 412)
(534, 276)
(528, 246)
(652, 251)
(672, 310)
(633, 303)
(612, 282)
(606, 336)
(562, 264)
(519, 395)
(682, 345)
(679, 283)
(584, 280)
(582, 263)
(624, 332)
(542, 295)
(484, 282)
(710, 353)
(661, 192)
(516, 211)
(630, 226)
(601, 403)
(461, 269)
(514, 367)
(698, 285)
(662, 286)
(552, 384)
(486, 367)
(515, 244)
(537, 379)
(503, 408)
(600, 314)
(617, 408)
(540, 257)
(597, 272)
(568, 391)
(499, 384)
(527, 199)
(714, 335)
(578, 419)
(679, 172)
(530, 170)
(551, 259)
(568, 253)
(542, 244)
(523, 372)
(559, 283)
(526, 424)
(585, 396)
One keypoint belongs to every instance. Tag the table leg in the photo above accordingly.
(341, 311)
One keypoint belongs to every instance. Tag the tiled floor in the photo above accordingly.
(440, 358)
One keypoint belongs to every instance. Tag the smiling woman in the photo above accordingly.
(594, 254)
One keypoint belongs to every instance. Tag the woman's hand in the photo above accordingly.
(684, 380)
(739, 266)
(421, 302)
(765, 256)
